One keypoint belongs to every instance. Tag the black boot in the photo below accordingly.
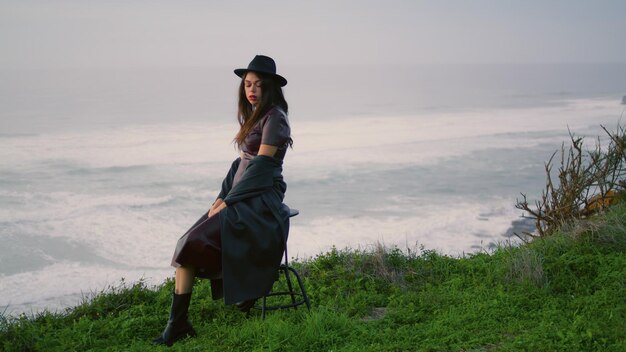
(178, 327)
(245, 306)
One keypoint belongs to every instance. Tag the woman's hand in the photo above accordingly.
(217, 207)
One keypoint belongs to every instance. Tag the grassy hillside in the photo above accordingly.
(566, 292)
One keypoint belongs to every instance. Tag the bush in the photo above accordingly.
(588, 182)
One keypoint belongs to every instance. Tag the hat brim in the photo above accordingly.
(281, 80)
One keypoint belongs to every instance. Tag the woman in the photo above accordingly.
(238, 245)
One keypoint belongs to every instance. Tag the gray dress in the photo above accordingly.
(272, 129)
(240, 248)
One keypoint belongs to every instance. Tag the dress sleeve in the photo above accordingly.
(276, 130)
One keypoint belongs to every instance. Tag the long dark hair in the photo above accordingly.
(271, 95)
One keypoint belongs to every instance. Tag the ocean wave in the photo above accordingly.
(27, 252)
(61, 285)
(110, 170)
(453, 229)
(56, 206)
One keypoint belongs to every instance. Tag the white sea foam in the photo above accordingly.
(62, 285)
(108, 224)
(401, 140)
(122, 147)
(454, 229)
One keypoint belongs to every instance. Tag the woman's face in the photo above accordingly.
(252, 86)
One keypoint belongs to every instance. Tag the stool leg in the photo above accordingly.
(294, 302)
(289, 285)
(263, 307)
(304, 295)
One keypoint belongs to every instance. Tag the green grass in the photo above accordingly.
(566, 292)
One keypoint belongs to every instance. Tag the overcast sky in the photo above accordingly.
(147, 33)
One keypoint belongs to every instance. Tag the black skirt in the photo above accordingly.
(201, 248)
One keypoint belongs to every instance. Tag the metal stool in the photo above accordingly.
(297, 298)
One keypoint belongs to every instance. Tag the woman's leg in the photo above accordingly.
(184, 279)
(178, 325)
(190, 250)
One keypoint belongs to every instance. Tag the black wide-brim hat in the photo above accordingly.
(262, 64)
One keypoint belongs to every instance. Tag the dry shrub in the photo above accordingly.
(378, 263)
(585, 182)
(526, 266)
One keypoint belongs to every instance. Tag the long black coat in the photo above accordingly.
(254, 229)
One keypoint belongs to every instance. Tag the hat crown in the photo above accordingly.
(263, 64)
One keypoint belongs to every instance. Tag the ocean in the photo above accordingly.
(102, 170)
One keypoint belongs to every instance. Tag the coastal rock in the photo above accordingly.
(520, 226)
